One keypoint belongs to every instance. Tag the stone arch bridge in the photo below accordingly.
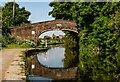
(32, 31)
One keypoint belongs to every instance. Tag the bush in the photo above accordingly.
(27, 43)
(11, 42)
(8, 40)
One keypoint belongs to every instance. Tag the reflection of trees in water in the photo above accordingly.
(71, 49)
(102, 66)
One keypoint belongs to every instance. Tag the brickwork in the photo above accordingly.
(32, 31)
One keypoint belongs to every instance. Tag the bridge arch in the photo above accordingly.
(32, 31)
(56, 30)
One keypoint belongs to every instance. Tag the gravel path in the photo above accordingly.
(11, 61)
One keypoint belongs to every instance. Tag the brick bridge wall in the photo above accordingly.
(25, 32)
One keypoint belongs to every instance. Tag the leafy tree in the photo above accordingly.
(99, 32)
(0, 26)
(99, 66)
(0, 17)
(91, 17)
(8, 20)
(71, 49)
(61, 10)
(115, 27)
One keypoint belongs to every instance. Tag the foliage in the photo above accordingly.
(115, 26)
(47, 37)
(92, 19)
(8, 20)
(49, 40)
(11, 42)
(99, 30)
(0, 17)
(104, 65)
(26, 44)
(99, 66)
(71, 49)
(0, 27)
(61, 10)
(7, 40)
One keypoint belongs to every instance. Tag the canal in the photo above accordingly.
(57, 62)
(53, 64)
(69, 62)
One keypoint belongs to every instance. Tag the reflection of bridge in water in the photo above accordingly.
(54, 73)
(32, 31)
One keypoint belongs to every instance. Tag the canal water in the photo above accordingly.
(58, 62)
(53, 57)
(93, 64)
(56, 57)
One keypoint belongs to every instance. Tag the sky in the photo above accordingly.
(39, 11)
(50, 33)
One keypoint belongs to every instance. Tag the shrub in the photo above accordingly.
(27, 43)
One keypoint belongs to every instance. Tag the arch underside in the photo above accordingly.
(56, 30)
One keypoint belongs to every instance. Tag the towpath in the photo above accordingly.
(11, 64)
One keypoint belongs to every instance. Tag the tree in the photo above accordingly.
(115, 26)
(91, 17)
(99, 33)
(0, 25)
(0, 17)
(61, 10)
(8, 20)
(71, 49)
